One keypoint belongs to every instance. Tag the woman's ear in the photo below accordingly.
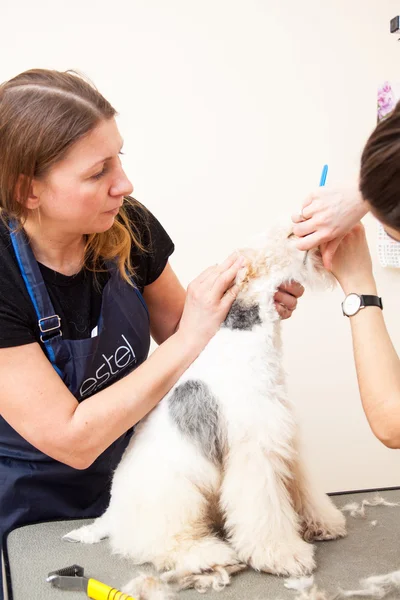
(26, 192)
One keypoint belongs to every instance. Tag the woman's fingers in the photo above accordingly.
(304, 228)
(211, 274)
(283, 311)
(225, 279)
(286, 300)
(313, 240)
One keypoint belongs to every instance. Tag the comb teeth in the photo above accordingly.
(72, 571)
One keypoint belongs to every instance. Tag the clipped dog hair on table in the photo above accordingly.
(377, 586)
(357, 509)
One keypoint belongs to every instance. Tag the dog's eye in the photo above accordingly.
(290, 235)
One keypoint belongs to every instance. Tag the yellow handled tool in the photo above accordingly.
(73, 578)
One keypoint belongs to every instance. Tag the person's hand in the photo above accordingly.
(325, 218)
(286, 298)
(351, 264)
(208, 300)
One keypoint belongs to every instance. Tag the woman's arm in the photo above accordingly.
(35, 402)
(377, 363)
(378, 373)
(165, 299)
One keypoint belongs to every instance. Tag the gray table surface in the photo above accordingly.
(35, 550)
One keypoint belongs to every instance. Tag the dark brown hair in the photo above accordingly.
(380, 170)
(42, 114)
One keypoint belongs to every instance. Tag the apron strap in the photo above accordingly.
(48, 321)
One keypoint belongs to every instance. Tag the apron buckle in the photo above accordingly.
(46, 327)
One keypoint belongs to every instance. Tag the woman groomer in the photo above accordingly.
(329, 219)
(74, 329)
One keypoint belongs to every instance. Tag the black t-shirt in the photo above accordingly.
(77, 298)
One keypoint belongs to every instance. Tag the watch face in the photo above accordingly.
(351, 304)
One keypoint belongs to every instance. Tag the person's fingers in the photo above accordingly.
(307, 211)
(220, 268)
(228, 262)
(230, 296)
(283, 311)
(310, 241)
(328, 252)
(304, 228)
(297, 218)
(287, 300)
(300, 216)
(292, 287)
(225, 279)
(214, 270)
(309, 200)
(206, 273)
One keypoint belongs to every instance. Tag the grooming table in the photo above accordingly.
(32, 551)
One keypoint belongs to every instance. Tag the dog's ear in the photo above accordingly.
(253, 268)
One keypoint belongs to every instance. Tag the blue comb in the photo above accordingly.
(323, 176)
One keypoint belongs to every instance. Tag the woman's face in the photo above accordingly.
(84, 192)
(393, 233)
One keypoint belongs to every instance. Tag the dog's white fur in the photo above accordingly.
(170, 501)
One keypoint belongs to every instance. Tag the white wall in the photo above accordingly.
(229, 109)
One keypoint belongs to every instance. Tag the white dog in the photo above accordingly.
(212, 480)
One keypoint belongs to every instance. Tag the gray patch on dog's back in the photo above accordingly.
(196, 413)
(242, 317)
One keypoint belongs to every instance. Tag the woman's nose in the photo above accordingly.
(121, 185)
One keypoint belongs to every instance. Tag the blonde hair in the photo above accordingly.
(42, 114)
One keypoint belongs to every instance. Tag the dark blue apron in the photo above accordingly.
(33, 486)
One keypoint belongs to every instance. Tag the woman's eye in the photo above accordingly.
(99, 175)
(104, 170)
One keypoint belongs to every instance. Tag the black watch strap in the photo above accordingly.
(367, 300)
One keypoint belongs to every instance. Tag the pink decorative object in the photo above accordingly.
(386, 100)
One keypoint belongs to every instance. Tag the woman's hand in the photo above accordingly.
(326, 216)
(208, 300)
(351, 264)
(286, 298)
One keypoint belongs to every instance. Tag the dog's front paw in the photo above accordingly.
(328, 528)
(147, 587)
(88, 534)
(294, 558)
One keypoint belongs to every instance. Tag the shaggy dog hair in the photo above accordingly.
(212, 480)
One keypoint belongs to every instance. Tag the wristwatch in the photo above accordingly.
(353, 303)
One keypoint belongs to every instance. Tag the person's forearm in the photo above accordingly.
(361, 208)
(102, 418)
(378, 368)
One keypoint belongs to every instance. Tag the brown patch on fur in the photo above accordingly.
(212, 517)
(255, 267)
(208, 523)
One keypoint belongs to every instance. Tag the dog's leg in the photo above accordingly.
(90, 534)
(261, 523)
(185, 545)
(321, 520)
(203, 563)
